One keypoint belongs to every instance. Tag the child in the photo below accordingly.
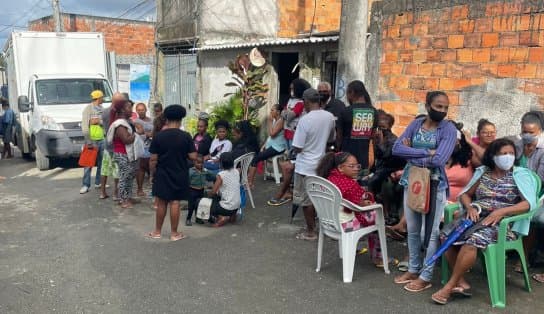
(219, 146)
(226, 192)
(342, 170)
(198, 177)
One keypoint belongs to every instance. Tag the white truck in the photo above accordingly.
(50, 79)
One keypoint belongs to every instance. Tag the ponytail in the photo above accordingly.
(330, 161)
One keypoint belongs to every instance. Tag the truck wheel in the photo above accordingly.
(42, 162)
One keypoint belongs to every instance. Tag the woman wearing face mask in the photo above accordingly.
(427, 142)
(294, 109)
(497, 190)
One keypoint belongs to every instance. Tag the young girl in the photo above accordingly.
(226, 192)
(342, 170)
(219, 145)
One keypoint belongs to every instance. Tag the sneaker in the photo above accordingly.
(188, 222)
(84, 189)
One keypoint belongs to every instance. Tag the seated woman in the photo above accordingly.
(275, 145)
(500, 190)
(342, 170)
(220, 145)
(226, 192)
(485, 135)
(245, 139)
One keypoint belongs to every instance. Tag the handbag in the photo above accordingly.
(419, 185)
(203, 208)
(88, 155)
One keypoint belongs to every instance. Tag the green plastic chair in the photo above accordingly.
(494, 256)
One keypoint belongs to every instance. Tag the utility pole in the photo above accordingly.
(352, 44)
(57, 16)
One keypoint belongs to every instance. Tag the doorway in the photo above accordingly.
(284, 64)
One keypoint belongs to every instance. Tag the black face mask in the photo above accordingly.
(324, 97)
(436, 116)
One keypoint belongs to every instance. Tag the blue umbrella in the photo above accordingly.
(455, 234)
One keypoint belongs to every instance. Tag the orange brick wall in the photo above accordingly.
(121, 36)
(451, 50)
(296, 16)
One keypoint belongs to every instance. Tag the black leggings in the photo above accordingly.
(264, 155)
(194, 197)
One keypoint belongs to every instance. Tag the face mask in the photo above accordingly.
(436, 116)
(324, 96)
(528, 138)
(504, 162)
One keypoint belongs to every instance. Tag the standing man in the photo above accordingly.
(313, 131)
(8, 121)
(357, 123)
(331, 104)
(93, 131)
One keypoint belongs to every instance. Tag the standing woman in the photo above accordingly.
(121, 135)
(144, 128)
(170, 150)
(427, 142)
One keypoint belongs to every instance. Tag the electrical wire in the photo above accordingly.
(28, 13)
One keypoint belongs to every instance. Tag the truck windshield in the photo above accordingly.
(70, 91)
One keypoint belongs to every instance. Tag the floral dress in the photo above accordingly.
(491, 194)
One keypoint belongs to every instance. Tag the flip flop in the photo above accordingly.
(403, 266)
(394, 234)
(400, 281)
(538, 278)
(180, 236)
(462, 291)
(304, 236)
(278, 202)
(103, 197)
(151, 235)
(428, 285)
(438, 299)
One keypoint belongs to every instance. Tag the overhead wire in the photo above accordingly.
(27, 13)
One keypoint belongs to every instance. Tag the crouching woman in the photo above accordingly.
(498, 189)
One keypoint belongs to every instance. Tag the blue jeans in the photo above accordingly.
(87, 170)
(415, 224)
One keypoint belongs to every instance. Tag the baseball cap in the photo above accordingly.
(97, 94)
(311, 95)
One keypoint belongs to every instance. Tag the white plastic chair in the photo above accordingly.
(243, 162)
(328, 202)
(275, 168)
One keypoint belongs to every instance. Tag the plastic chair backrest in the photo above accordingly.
(244, 162)
(326, 199)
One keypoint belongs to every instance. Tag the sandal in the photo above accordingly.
(403, 266)
(440, 299)
(394, 234)
(538, 278)
(405, 278)
(305, 236)
(464, 292)
(412, 286)
(103, 197)
(152, 235)
(179, 236)
(278, 202)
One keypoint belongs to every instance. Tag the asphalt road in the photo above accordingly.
(62, 252)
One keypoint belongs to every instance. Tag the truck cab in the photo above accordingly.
(50, 115)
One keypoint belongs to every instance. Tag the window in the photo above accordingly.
(70, 91)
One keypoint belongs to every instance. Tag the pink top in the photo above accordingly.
(476, 140)
(458, 178)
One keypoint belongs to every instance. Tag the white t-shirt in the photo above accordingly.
(313, 132)
(230, 189)
(216, 143)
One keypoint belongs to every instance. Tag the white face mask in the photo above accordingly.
(504, 162)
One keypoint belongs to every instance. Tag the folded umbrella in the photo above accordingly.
(464, 224)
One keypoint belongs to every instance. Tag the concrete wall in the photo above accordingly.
(124, 37)
(487, 55)
(236, 21)
(176, 19)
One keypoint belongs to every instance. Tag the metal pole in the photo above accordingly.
(57, 16)
(352, 44)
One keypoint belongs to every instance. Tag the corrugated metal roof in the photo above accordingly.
(271, 42)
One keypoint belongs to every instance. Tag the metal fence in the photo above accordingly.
(180, 81)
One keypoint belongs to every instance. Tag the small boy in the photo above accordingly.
(198, 178)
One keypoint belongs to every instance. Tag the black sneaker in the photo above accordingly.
(188, 222)
(199, 221)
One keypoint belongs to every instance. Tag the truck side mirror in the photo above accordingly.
(23, 104)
